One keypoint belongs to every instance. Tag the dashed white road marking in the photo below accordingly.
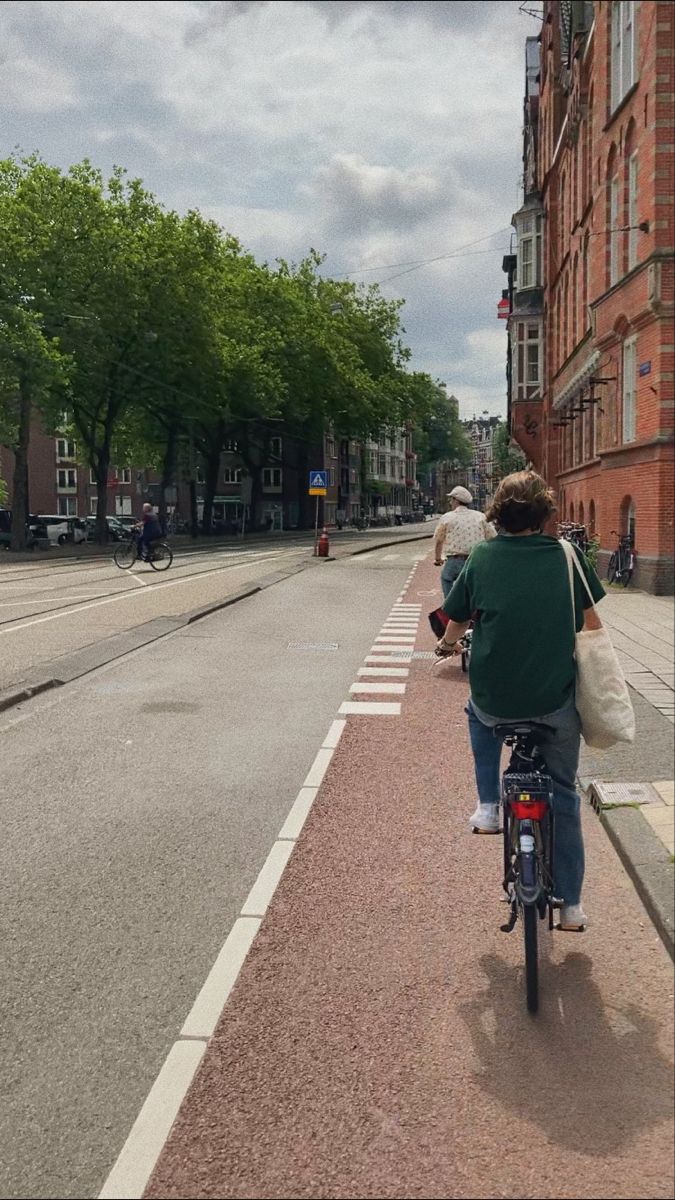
(387, 637)
(388, 658)
(388, 646)
(370, 708)
(258, 899)
(319, 767)
(203, 1016)
(374, 685)
(334, 734)
(292, 826)
(400, 672)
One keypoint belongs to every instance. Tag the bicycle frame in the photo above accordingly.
(528, 829)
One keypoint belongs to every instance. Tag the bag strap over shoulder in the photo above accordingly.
(572, 563)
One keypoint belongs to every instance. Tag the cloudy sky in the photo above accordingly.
(379, 133)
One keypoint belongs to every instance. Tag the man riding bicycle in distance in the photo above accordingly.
(150, 531)
(457, 532)
(522, 662)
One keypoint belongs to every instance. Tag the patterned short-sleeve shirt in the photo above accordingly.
(464, 528)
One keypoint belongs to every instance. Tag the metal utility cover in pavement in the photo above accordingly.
(423, 654)
(609, 795)
(312, 646)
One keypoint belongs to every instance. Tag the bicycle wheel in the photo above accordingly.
(627, 573)
(612, 567)
(125, 555)
(530, 918)
(465, 661)
(161, 557)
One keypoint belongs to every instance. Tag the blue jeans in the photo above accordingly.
(560, 751)
(452, 568)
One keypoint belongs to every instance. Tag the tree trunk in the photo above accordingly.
(211, 472)
(168, 474)
(20, 501)
(101, 469)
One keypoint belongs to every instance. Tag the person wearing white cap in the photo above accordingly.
(457, 532)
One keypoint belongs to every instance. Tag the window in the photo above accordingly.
(231, 446)
(372, 462)
(123, 506)
(528, 359)
(232, 475)
(529, 253)
(623, 49)
(330, 446)
(614, 237)
(200, 476)
(65, 448)
(331, 476)
(67, 506)
(629, 389)
(92, 476)
(382, 465)
(272, 477)
(123, 474)
(591, 517)
(632, 211)
(66, 478)
(275, 447)
(93, 506)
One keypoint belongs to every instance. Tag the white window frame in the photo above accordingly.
(66, 449)
(93, 506)
(231, 474)
(123, 507)
(123, 474)
(69, 503)
(276, 447)
(614, 235)
(529, 253)
(629, 391)
(632, 211)
(64, 475)
(272, 478)
(525, 339)
(623, 47)
(92, 476)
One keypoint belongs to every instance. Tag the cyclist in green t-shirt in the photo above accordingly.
(522, 661)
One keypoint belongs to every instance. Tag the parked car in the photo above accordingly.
(63, 529)
(116, 531)
(36, 532)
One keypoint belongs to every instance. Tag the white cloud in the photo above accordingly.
(378, 132)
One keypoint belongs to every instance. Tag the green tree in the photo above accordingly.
(506, 459)
(440, 435)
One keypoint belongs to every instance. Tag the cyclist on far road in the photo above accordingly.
(522, 662)
(459, 530)
(151, 531)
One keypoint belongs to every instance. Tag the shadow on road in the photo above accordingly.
(588, 1071)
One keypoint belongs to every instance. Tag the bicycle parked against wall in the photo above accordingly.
(622, 561)
(526, 798)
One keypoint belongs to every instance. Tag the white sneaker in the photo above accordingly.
(573, 919)
(486, 819)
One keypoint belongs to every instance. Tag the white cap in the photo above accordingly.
(462, 494)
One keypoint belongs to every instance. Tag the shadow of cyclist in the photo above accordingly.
(588, 1070)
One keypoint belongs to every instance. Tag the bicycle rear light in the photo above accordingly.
(529, 808)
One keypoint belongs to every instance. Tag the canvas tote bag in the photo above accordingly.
(602, 698)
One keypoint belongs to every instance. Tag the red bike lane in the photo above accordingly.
(376, 1042)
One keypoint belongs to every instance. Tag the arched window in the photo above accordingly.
(575, 292)
(591, 517)
(613, 213)
(630, 212)
(572, 510)
(581, 512)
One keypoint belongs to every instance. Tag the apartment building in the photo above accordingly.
(593, 283)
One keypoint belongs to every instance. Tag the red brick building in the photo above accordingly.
(591, 328)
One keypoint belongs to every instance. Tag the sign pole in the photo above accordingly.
(316, 525)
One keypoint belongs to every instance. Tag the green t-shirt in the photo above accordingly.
(522, 653)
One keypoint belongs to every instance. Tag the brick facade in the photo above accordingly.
(605, 182)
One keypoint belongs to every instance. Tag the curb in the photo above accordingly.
(9, 699)
(648, 865)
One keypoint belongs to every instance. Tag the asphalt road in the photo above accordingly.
(52, 608)
(137, 807)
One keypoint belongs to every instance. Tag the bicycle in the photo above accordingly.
(622, 560)
(127, 553)
(528, 829)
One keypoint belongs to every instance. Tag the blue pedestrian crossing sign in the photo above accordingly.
(318, 483)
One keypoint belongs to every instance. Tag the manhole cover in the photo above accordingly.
(612, 795)
(424, 654)
(312, 646)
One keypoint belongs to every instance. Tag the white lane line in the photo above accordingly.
(370, 708)
(143, 582)
(390, 647)
(334, 734)
(265, 886)
(399, 672)
(402, 626)
(387, 658)
(131, 1172)
(292, 826)
(388, 637)
(374, 685)
(319, 767)
(136, 592)
(203, 1016)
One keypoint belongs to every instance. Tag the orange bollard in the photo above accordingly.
(323, 545)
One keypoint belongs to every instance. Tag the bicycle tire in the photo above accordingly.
(627, 575)
(530, 918)
(125, 555)
(612, 567)
(465, 661)
(161, 557)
